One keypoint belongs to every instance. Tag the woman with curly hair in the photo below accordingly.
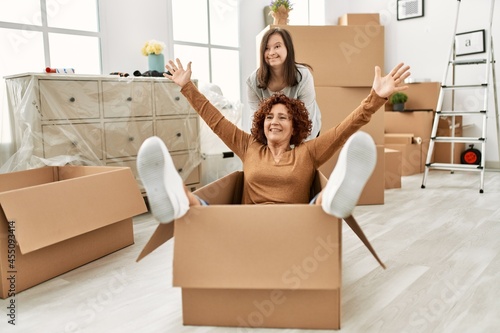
(278, 163)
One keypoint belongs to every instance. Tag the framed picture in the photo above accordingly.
(408, 9)
(469, 42)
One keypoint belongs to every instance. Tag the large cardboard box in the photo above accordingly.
(359, 19)
(421, 96)
(54, 219)
(341, 56)
(336, 103)
(256, 265)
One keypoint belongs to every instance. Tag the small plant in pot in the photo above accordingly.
(398, 100)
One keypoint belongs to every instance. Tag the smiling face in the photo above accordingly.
(275, 53)
(278, 125)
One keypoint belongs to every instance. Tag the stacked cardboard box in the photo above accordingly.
(343, 58)
(417, 120)
(55, 219)
(409, 131)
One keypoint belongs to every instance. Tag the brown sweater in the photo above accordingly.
(290, 180)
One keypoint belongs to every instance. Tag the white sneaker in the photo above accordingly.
(164, 187)
(356, 162)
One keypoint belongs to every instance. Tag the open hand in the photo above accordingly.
(178, 74)
(392, 82)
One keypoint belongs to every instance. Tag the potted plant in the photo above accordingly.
(398, 100)
(280, 10)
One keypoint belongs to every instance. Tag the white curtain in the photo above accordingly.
(7, 130)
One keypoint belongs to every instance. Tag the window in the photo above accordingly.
(206, 32)
(35, 34)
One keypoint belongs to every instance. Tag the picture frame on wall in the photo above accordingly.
(408, 9)
(470, 42)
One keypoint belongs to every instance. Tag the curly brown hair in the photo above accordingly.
(301, 123)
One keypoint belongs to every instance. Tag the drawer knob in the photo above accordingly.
(179, 170)
(129, 99)
(178, 135)
(74, 143)
(177, 98)
(131, 138)
(72, 99)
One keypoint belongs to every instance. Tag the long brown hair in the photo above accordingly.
(301, 123)
(290, 72)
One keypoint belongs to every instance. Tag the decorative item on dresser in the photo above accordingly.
(100, 120)
(153, 49)
(280, 10)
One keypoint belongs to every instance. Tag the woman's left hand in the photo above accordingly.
(392, 82)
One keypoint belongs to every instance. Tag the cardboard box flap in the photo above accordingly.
(117, 197)
(21, 179)
(226, 190)
(162, 234)
(235, 246)
(353, 224)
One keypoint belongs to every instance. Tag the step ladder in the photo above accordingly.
(449, 89)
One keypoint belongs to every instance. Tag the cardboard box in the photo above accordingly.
(359, 19)
(413, 153)
(55, 219)
(341, 56)
(336, 103)
(442, 150)
(232, 273)
(418, 123)
(421, 96)
(393, 165)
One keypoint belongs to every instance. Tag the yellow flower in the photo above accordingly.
(153, 47)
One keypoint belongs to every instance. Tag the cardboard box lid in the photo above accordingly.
(257, 247)
(77, 200)
(400, 138)
(359, 19)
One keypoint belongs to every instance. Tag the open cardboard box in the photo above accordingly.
(256, 265)
(55, 219)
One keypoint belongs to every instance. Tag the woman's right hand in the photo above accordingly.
(178, 74)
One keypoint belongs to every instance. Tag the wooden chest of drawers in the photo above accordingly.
(103, 120)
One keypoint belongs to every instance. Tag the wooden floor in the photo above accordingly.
(441, 245)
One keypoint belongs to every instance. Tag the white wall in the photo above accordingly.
(423, 43)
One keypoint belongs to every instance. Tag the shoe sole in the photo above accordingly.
(356, 163)
(153, 164)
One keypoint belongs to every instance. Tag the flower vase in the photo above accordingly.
(280, 16)
(156, 62)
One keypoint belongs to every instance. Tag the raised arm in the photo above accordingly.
(229, 133)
